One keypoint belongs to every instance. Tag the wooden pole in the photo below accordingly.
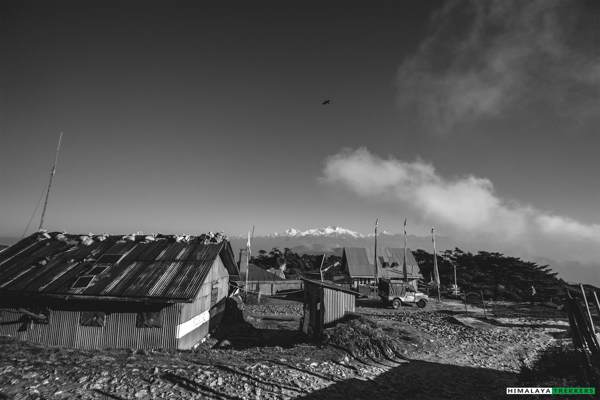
(455, 284)
(587, 307)
(465, 301)
(597, 304)
(483, 303)
(404, 267)
(375, 271)
(247, 264)
(321, 267)
(50, 183)
(435, 266)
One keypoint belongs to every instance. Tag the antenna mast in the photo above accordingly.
(50, 183)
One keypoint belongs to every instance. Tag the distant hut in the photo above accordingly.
(262, 282)
(325, 304)
(103, 291)
(359, 264)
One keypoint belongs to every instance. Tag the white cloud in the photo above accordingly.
(485, 59)
(466, 206)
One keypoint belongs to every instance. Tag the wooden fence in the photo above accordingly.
(584, 340)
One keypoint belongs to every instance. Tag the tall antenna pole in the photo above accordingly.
(50, 184)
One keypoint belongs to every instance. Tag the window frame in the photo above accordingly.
(96, 320)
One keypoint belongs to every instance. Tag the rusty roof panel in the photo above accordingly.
(171, 251)
(61, 280)
(16, 266)
(83, 252)
(192, 270)
(119, 246)
(150, 269)
(150, 251)
(23, 248)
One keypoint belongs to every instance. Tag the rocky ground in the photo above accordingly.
(445, 354)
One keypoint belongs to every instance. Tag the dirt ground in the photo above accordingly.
(446, 354)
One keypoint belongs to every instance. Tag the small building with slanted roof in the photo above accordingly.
(114, 291)
(359, 264)
(324, 305)
(263, 282)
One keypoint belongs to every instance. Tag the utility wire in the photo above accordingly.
(34, 211)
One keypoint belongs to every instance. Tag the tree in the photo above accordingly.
(507, 277)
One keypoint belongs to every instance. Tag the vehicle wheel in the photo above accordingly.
(421, 303)
(396, 303)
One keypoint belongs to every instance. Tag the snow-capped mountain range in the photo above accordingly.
(330, 231)
(332, 239)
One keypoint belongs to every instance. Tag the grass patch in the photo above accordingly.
(363, 338)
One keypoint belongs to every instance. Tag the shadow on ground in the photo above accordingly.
(420, 380)
(195, 388)
(241, 330)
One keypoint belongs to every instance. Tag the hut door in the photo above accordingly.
(214, 294)
(318, 316)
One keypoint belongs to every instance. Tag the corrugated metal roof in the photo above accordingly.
(332, 286)
(360, 262)
(161, 269)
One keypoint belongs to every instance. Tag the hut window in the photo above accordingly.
(151, 319)
(214, 294)
(92, 318)
(109, 258)
(83, 282)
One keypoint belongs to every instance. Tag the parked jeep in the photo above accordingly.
(397, 292)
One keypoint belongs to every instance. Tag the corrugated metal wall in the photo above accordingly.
(119, 331)
(218, 276)
(335, 305)
(325, 306)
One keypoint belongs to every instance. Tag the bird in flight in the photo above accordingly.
(326, 102)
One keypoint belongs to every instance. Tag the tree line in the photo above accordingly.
(497, 275)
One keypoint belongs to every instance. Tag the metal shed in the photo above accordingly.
(325, 304)
(104, 291)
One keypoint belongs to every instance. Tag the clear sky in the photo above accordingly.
(481, 118)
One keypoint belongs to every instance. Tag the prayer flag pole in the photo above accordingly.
(404, 269)
(376, 272)
(248, 249)
(435, 266)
